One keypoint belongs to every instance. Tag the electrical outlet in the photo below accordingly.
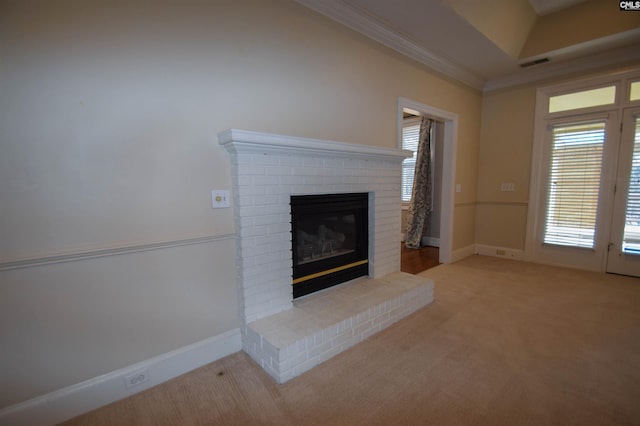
(220, 199)
(500, 252)
(137, 378)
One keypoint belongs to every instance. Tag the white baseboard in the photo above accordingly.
(430, 241)
(503, 252)
(80, 398)
(460, 254)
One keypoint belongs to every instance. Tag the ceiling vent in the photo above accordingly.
(534, 62)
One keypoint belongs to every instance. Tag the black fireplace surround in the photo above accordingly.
(330, 240)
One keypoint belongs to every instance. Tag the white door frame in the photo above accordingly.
(448, 166)
(588, 259)
(622, 81)
(619, 262)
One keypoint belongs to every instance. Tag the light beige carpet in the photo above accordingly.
(504, 343)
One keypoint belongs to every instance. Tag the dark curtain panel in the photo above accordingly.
(420, 205)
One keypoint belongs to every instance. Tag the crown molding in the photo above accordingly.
(356, 20)
(360, 21)
(552, 70)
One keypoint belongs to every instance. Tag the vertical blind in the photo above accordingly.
(631, 238)
(574, 184)
(410, 137)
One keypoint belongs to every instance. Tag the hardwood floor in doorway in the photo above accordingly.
(414, 261)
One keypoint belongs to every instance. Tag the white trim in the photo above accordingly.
(235, 141)
(448, 167)
(501, 252)
(356, 20)
(536, 178)
(92, 254)
(462, 253)
(66, 403)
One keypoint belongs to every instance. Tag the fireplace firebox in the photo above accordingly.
(330, 241)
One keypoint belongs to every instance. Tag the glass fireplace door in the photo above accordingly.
(329, 240)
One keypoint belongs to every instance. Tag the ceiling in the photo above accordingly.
(483, 44)
(543, 7)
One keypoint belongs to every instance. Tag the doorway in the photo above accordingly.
(449, 126)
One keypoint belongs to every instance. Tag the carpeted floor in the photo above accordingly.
(504, 343)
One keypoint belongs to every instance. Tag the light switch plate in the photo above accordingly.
(220, 199)
(507, 187)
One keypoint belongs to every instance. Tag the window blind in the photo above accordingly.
(574, 184)
(631, 238)
(410, 137)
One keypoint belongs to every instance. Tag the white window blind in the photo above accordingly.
(631, 238)
(410, 137)
(574, 184)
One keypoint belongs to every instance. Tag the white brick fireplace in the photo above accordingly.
(267, 170)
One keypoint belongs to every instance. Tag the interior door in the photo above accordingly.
(624, 248)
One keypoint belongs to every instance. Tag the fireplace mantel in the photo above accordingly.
(237, 141)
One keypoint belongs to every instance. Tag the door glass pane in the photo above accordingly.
(574, 184)
(583, 99)
(631, 238)
(635, 91)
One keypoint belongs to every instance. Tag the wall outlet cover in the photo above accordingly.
(220, 199)
(137, 378)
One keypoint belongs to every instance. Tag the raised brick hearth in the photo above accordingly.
(267, 170)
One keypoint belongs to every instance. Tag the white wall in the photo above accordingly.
(108, 119)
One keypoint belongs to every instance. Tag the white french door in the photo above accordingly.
(624, 248)
(584, 200)
(577, 190)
